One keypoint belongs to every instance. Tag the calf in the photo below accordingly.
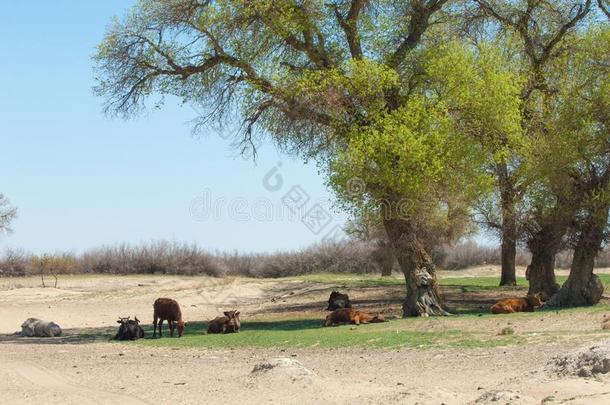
(229, 323)
(338, 300)
(526, 304)
(129, 329)
(167, 309)
(33, 327)
(348, 315)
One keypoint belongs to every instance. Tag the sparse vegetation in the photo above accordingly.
(352, 257)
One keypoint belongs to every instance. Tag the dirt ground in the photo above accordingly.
(94, 371)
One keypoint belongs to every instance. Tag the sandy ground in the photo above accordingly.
(35, 371)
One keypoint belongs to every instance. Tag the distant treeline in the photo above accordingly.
(189, 259)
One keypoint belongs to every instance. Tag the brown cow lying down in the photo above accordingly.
(509, 306)
(229, 323)
(349, 315)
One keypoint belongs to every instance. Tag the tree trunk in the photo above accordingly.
(509, 226)
(582, 286)
(386, 269)
(423, 296)
(385, 258)
(543, 246)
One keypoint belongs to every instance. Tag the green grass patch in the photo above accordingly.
(466, 284)
(303, 333)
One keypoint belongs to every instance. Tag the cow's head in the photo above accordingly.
(378, 318)
(122, 320)
(179, 325)
(534, 300)
(233, 323)
(338, 300)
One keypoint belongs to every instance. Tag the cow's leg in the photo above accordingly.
(357, 320)
(171, 328)
(155, 327)
(161, 327)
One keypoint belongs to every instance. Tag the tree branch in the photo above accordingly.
(605, 8)
(420, 20)
(349, 25)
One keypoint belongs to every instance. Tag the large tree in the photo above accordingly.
(339, 81)
(536, 31)
(579, 119)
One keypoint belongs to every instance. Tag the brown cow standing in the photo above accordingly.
(167, 309)
(345, 315)
(510, 306)
(229, 323)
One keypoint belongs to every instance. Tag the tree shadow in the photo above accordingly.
(69, 336)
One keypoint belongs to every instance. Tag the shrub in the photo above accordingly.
(358, 257)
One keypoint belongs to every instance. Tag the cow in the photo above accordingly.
(338, 300)
(229, 323)
(526, 304)
(129, 329)
(34, 327)
(349, 315)
(167, 309)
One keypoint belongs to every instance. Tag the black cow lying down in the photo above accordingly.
(130, 329)
(337, 301)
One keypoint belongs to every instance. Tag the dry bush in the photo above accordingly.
(469, 253)
(563, 260)
(14, 263)
(352, 257)
(357, 257)
(157, 257)
(53, 266)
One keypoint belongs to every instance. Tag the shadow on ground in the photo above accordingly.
(69, 336)
(105, 334)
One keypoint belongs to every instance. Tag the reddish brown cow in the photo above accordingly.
(510, 306)
(167, 309)
(349, 315)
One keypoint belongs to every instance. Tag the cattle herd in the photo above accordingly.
(167, 309)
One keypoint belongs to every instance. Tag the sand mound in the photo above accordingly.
(585, 362)
(503, 397)
(282, 365)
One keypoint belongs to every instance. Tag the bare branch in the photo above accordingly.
(349, 25)
(419, 22)
(604, 6)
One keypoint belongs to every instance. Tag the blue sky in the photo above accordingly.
(80, 179)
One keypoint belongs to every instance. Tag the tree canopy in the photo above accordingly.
(426, 102)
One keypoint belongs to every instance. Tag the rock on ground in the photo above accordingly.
(585, 362)
(503, 397)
